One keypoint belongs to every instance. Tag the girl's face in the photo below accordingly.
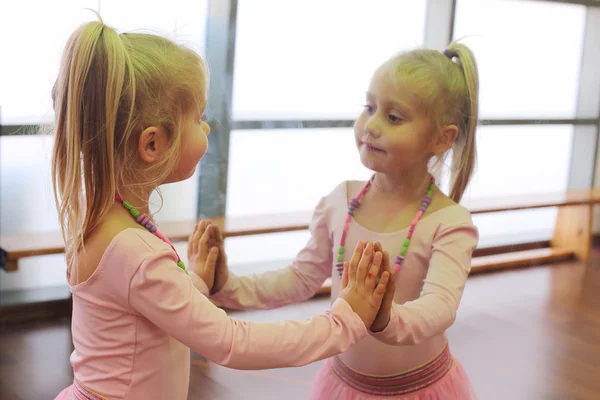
(194, 143)
(392, 135)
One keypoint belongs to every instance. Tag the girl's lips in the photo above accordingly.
(371, 147)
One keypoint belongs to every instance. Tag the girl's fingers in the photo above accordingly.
(373, 272)
(364, 263)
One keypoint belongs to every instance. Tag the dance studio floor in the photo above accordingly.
(526, 334)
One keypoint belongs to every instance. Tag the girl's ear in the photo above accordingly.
(446, 139)
(152, 144)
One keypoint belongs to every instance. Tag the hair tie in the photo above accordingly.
(449, 54)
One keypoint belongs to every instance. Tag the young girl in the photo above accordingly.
(129, 118)
(419, 105)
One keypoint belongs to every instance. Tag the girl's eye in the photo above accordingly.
(393, 118)
(368, 108)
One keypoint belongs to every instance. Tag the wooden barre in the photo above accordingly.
(577, 203)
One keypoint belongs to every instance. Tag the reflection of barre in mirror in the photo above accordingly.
(17, 246)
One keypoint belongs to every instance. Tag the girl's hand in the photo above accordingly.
(202, 257)
(383, 316)
(359, 282)
(221, 271)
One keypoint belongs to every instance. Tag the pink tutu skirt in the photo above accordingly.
(77, 392)
(443, 378)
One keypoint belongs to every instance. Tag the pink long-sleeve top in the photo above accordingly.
(428, 287)
(136, 317)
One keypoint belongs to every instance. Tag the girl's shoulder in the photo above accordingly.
(123, 245)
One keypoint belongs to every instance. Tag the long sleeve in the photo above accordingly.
(435, 310)
(162, 293)
(292, 284)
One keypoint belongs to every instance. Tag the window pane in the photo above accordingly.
(181, 20)
(29, 71)
(313, 59)
(278, 171)
(520, 160)
(33, 35)
(26, 197)
(529, 55)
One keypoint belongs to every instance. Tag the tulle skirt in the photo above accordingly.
(443, 378)
(77, 392)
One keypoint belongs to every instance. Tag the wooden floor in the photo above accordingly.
(525, 334)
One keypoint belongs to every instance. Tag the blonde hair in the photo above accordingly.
(111, 87)
(447, 90)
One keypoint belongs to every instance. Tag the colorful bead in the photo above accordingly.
(355, 203)
(145, 221)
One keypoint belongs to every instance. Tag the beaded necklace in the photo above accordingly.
(355, 203)
(145, 221)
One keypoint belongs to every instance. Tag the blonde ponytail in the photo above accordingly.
(110, 88)
(465, 148)
(87, 98)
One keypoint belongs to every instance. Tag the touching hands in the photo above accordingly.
(360, 286)
(383, 316)
(206, 254)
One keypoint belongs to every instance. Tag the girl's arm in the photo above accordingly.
(162, 293)
(435, 310)
(292, 284)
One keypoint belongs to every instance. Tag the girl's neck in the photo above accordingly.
(141, 201)
(404, 187)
